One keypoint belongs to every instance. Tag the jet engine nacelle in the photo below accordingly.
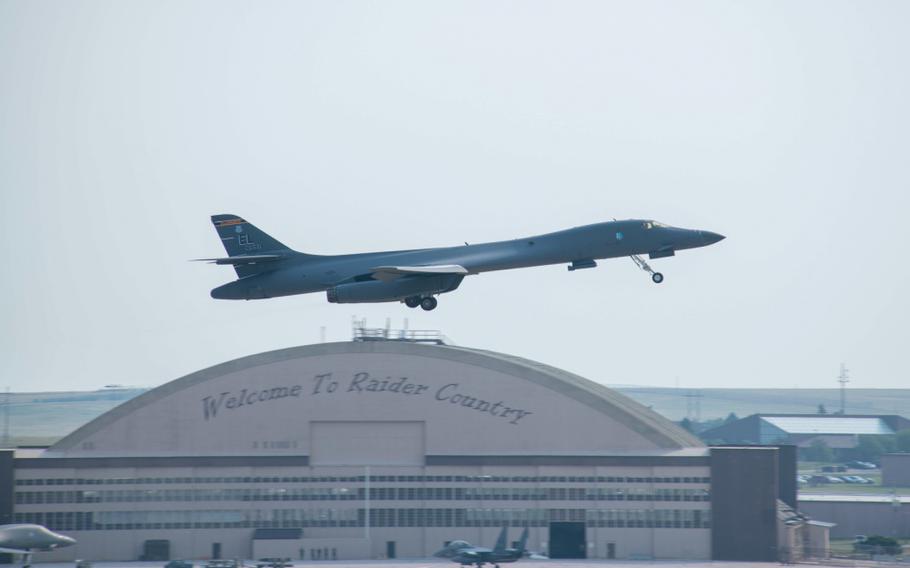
(379, 291)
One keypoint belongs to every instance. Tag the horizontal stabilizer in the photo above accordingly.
(387, 273)
(246, 259)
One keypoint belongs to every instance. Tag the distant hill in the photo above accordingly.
(43, 418)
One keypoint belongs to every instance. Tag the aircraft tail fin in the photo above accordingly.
(501, 541)
(243, 239)
(523, 542)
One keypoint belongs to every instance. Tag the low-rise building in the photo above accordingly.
(896, 470)
(802, 430)
(886, 515)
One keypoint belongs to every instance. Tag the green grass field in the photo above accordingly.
(844, 546)
(850, 489)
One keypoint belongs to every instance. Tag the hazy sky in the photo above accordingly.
(356, 126)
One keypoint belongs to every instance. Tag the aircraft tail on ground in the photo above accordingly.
(523, 542)
(501, 541)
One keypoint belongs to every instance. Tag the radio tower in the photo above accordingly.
(843, 380)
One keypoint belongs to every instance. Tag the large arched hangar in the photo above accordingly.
(375, 449)
(452, 400)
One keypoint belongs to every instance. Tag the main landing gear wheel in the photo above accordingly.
(429, 303)
(657, 277)
(412, 301)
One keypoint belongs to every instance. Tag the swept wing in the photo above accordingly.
(388, 273)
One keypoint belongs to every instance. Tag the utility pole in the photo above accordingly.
(843, 380)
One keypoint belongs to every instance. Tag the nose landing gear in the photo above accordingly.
(656, 277)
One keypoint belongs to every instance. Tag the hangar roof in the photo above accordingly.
(162, 419)
(825, 424)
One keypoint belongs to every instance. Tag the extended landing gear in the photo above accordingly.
(656, 277)
(428, 303)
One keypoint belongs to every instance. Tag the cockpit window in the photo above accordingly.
(648, 225)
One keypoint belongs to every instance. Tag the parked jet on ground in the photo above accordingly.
(266, 268)
(26, 539)
(463, 553)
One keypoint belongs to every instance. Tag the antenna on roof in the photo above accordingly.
(843, 380)
(363, 333)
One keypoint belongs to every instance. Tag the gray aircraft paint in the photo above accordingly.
(27, 538)
(269, 269)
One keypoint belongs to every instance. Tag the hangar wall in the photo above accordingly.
(658, 511)
(744, 495)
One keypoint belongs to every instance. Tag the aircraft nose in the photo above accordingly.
(709, 238)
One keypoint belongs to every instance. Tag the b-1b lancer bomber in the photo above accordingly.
(267, 269)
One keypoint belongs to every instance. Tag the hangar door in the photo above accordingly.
(567, 540)
(367, 443)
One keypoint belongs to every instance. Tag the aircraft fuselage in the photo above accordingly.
(29, 537)
(305, 273)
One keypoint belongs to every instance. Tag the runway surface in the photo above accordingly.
(425, 563)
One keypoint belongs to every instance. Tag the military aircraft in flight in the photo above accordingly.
(26, 539)
(463, 553)
(267, 269)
